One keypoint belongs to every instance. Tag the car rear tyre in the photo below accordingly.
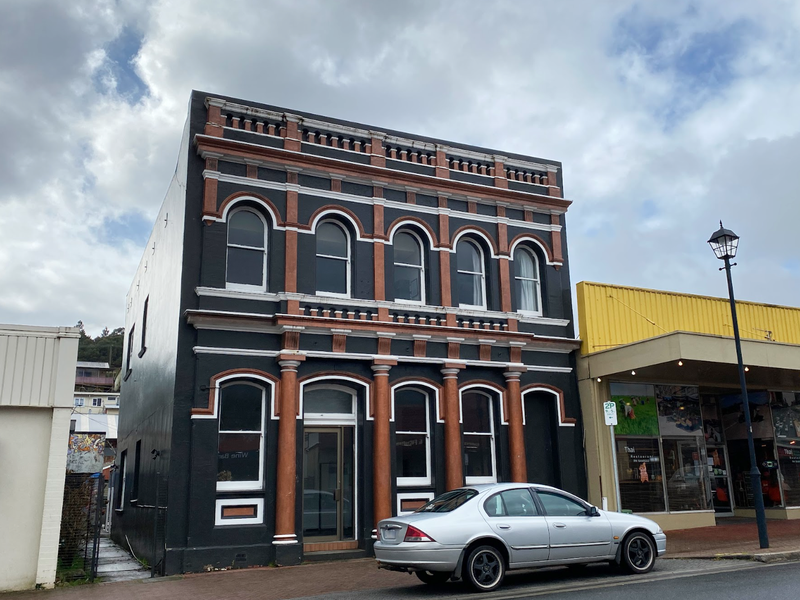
(484, 568)
(432, 577)
(638, 553)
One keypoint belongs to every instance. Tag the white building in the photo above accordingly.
(37, 375)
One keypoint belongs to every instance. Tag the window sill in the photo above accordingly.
(333, 295)
(127, 374)
(142, 351)
(472, 307)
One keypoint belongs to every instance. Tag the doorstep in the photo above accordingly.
(324, 551)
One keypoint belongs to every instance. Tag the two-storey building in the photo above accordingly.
(331, 324)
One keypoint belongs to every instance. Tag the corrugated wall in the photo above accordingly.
(29, 366)
(612, 315)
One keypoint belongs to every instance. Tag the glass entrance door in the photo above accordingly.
(328, 484)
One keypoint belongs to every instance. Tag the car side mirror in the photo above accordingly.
(592, 511)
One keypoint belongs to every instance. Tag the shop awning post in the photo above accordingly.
(610, 415)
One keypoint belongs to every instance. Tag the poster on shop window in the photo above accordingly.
(679, 410)
(636, 409)
(786, 416)
(733, 417)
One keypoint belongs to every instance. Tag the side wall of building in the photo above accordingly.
(149, 380)
(37, 374)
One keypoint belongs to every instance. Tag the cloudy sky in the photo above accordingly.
(667, 116)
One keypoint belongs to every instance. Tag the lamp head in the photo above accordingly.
(724, 243)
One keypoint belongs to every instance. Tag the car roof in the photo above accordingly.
(486, 487)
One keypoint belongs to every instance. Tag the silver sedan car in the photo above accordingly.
(477, 533)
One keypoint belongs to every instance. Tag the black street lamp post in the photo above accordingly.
(724, 243)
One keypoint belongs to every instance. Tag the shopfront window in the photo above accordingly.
(641, 485)
(786, 420)
(685, 471)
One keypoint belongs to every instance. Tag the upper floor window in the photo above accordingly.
(241, 437)
(144, 327)
(247, 251)
(97, 402)
(409, 268)
(333, 260)
(478, 420)
(412, 437)
(527, 281)
(78, 401)
(471, 277)
(129, 355)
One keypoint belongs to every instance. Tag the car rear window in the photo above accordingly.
(449, 501)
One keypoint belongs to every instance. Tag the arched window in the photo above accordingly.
(527, 281)
(240, 464)
(477, 415)
(247, 251)
(412, 437)
(409, 268)
(471, 278)
(333, 260)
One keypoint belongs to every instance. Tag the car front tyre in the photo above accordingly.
(432, 577)
(484, 568)
(638, 553)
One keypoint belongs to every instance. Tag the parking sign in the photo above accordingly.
(610, 412)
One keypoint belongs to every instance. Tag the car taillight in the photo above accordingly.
(415, 535)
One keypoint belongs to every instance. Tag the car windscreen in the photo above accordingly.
(449, 501)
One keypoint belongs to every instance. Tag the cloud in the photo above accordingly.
(666, 116)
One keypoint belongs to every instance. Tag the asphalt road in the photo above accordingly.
(670, 580)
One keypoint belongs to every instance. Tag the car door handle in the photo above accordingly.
(504, 526)
(559, 525)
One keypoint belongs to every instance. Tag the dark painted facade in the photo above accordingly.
(330, 325)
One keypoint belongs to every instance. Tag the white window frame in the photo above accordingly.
(482, 273)
(315, 419)
(246, 287)
(348, 260)
(80, 402)
(537, 283)
(491, 435)
(244, 485)
(420, 267)
(417, 481)
(97, 403)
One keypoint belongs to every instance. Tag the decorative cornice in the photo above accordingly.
(292, 158)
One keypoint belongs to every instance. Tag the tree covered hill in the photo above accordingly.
(106, 347)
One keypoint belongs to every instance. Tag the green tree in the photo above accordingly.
(106, 347)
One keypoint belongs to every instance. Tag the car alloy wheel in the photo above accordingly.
(485, 568)
(638, 553)
(432, 577)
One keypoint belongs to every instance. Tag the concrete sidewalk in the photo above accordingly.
(729, 539)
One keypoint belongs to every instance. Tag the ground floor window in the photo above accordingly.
(478, 422)
(641, 486)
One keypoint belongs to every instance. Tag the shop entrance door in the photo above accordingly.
(719, 475)
(328, 484)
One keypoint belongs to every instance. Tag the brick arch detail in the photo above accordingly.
(563, 419)
(429, 383)
(479, 232)
(535, 239)
(341, 375)
(244, 374)
(483, 383)
(242, 196)
(399, 222)
(348, 214)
